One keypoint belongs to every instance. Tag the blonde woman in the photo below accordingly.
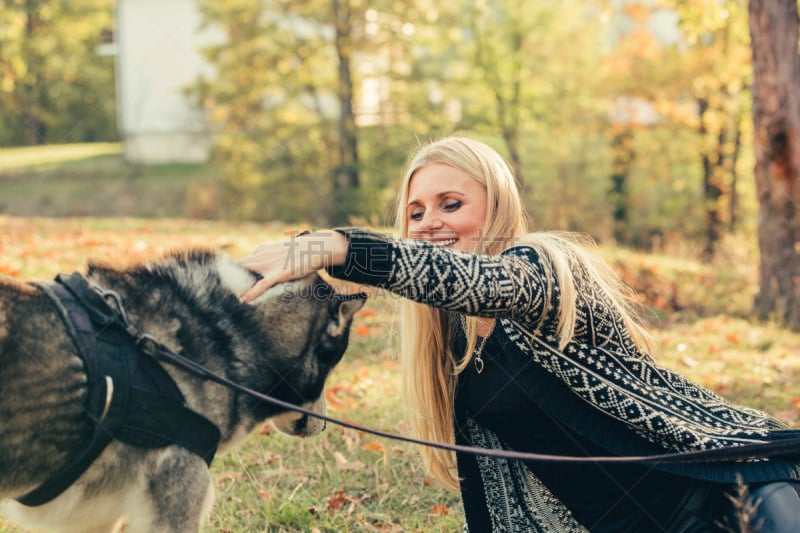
(526, 341)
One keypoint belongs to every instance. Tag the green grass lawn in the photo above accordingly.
(38, 157)
(95, 180)
(344, 480)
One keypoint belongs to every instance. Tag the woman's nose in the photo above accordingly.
(431, 222)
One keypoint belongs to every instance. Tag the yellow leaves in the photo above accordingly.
(637, 12)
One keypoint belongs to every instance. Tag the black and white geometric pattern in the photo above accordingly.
(518, 500)
(601, 364)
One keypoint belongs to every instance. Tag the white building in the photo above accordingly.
(157, 43)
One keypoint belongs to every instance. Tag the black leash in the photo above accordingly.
(788, 449)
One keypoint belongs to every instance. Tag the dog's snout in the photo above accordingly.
(301, 426)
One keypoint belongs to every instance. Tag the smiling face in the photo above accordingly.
(446, 206)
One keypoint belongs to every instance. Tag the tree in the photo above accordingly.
(718, 69)
(284, 101)
(53, 86)
(638, 74)
(531, 67)
(776, 122)
(346, 180)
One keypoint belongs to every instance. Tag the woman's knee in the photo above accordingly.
(777, 507)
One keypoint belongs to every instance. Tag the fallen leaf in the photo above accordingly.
(229, 476)
(374, 446)
(335, 502)
(733, 338)
(341, 460)
(440, 509)
(331, 396)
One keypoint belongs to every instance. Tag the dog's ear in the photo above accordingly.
(342, 309)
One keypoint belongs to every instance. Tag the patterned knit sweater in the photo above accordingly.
(610, 379)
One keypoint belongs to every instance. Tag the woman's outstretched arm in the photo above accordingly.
(293, 258)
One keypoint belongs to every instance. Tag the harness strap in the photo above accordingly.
(131, 398)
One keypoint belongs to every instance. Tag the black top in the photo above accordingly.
(614, 498)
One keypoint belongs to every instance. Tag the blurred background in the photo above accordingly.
(629, 120)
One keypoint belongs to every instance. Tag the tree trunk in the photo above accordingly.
(711, 189)
(31, 84)
(733, 199)
(776, 89)
(512, 144)
(346, 178)
(619, 194)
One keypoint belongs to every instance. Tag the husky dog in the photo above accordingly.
(283, 344)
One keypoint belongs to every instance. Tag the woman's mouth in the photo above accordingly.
(446, 242)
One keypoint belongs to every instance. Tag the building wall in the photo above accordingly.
(157, 57)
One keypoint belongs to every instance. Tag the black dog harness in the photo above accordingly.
(131, 398)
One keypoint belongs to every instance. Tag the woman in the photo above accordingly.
(523, 341)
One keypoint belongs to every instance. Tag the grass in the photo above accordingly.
(95, 180)
(346, 481)
(38, 157)
(343, 480)
(339, 481)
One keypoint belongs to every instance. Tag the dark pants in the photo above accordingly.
(770, 508)
(777, 508)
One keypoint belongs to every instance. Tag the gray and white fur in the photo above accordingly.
(283, 344)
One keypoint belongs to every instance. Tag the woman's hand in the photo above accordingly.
(294, 258)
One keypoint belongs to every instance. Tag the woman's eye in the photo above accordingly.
(452, 206)
(415, 215)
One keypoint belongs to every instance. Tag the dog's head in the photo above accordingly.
(307, 326)
(283, 344)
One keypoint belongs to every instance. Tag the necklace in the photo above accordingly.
(476, 354)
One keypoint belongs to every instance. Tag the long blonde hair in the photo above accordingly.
(429, 368)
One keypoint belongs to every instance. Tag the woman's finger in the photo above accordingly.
(259, 288)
